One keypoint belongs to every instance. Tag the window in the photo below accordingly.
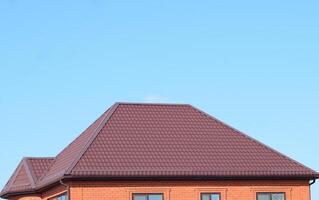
(63, 196)
(270, 196)
(210, 196)
(148, 197)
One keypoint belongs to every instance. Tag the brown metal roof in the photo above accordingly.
(167, 140)
(39, 166)
(26, 175)
(71, 153)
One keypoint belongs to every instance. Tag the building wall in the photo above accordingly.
(181, 190)
(176, 190)
(55, 191)
(31, 197)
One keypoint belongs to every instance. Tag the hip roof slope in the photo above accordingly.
(132, 140)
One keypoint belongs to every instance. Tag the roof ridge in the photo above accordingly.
(256, 141)
(54, 158)
(111, 110)
(153, 104)
(30, 171)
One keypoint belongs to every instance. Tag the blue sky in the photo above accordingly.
(252, 64)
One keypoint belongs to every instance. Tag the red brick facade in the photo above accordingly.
(177, 190)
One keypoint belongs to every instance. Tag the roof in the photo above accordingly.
(39, 166)
(26, 175)
(159, 140)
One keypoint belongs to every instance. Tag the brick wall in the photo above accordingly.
(177, 190)
(230, 190)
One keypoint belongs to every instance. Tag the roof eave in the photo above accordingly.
(197, 177)
(147, 178)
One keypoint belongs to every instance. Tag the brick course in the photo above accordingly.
(177, 190)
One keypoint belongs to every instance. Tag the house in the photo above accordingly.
(161, 152)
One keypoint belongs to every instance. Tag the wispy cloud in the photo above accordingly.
(154, 98)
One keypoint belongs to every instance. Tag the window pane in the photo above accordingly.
(63, 197)
(278, 197)
(263, 197)
(215, 197)
(205, 197)
(155, 197)
(139, 197)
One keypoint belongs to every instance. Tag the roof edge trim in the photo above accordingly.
(96, 132)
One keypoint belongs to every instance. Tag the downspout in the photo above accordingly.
(67, 188)
(311, 183)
